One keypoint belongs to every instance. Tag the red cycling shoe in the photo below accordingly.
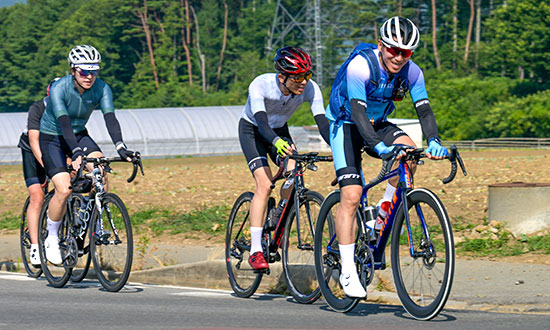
(257, 261)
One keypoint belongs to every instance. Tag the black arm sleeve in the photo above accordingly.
(359, 117)
(322, 125)
(35, 114)
(427, 119)
(68, 134)
(113, 127)
(263, 126)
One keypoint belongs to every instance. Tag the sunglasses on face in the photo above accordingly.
(301, 78)
(86, 73)
(394, 51)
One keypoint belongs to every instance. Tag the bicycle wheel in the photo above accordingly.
(423, 282)
(57, 275)
(25, 243)
(298, 256)
(244, 281)
(111, 243)
(80, 270)
(327, 257)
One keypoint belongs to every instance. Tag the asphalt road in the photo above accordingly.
(27, 303)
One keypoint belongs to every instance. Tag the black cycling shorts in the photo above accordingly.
(255, 147)
(55, 151)
(32, 170)
(346, 144)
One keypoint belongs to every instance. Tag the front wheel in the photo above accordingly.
(327, 257)
(243, 279)
(298, 255)
(111, 243)
(422, 255)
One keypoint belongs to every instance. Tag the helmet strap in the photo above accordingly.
(288, 89)
(76, 81)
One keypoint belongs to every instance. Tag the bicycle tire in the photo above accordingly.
(297, 252)
(25, 244)
(327, 263)
(111, 249)
(243, 279)
(57, 275)
(80, 270)
(423, 284)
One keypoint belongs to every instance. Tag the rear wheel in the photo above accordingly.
(57, 275)
(298, 255)
(25, 243)
(111, 243)
(423, 281)
(327, 257)
(243, 279)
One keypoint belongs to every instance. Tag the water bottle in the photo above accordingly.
(82, 211)
(370, 216)
(276, 214)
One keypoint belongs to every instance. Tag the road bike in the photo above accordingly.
(95, 227)
(291, 230)
(422, 247)
(25, 238)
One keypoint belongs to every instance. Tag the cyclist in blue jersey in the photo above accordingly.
(263, 129)
(63, 132)
(359, 106)
(33, 170)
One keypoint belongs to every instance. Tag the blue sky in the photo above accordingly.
(5, 3)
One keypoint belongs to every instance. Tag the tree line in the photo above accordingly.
(485, 61)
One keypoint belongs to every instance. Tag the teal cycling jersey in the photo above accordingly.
(65, 99)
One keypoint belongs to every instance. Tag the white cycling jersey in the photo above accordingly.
(264, 94)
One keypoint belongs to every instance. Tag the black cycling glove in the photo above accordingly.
(123, 151)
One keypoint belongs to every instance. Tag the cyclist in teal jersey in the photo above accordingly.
(63, 132)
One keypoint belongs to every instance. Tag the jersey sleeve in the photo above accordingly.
(316, 99)
(255, 93)
(106, 102)
(57, 100)
(357, 75)
(417, 86)
(35, 114)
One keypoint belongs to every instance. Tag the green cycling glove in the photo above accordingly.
(281, 146)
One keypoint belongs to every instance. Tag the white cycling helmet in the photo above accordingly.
(403, 29)
(85, 57)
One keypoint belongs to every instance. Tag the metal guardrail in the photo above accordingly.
(503, 143)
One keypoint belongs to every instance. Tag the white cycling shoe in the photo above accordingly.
(35, 257)
(53, 254)
(352, 286)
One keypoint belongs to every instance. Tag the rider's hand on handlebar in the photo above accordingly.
(283, 148)
(435, 150)
(382, 149)
(77, 159)
(124, 153)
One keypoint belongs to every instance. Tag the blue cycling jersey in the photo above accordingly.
(378, 99)
(65, 99)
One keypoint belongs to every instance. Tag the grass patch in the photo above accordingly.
(504, 245)
(9, 221)
(210, 220)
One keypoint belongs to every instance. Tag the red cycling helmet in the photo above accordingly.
(292, 60)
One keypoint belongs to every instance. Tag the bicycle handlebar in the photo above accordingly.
(309, 158)
(105, 161)
(414, 155)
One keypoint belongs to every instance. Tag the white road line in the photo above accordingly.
(14, 277)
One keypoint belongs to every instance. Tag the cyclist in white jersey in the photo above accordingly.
(263, 129)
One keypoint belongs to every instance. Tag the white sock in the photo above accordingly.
(347, 254)
(256, 237)
(388, 195)
(53, 227)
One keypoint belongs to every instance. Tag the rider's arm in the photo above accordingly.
(33, 125)
(69, 136)
(358, 75)
(421, 103)
(263, 126)
(113, 127)
(318, 110)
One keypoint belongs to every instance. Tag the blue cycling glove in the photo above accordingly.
(435, 148)
(381, 148)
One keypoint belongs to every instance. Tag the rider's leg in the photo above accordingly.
(36, 194)
(56, 210)
(258, 206)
